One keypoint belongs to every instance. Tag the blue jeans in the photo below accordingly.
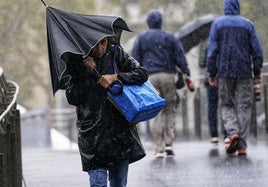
(117, 176)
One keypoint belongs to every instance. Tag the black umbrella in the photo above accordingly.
(196, 31)
(75, 34)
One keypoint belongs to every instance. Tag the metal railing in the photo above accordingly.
(191, 117)
(10, 136)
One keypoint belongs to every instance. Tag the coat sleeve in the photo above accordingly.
(212, 54)
(180, 57)
(256, 52)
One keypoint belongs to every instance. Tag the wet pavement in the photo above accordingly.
(196, 163)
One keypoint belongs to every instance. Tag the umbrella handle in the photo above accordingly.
(44, 3)
(96, 73)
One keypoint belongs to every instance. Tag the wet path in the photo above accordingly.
(196, 164)
(201, 164)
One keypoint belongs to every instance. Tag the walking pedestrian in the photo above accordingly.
(106, 141)
(235, 60)
(212, 96)
(160, 53)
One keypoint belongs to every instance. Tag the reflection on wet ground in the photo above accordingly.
(196, 164)
(203, 164)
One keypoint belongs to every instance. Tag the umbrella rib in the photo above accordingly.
(44, 3)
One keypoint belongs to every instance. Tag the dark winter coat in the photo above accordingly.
(158, 50)
(234, 45)
(105, 137)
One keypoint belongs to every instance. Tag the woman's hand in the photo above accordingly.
(106, 80)
(89, 63)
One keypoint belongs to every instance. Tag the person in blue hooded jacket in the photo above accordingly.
(235, 60)
(160, 53)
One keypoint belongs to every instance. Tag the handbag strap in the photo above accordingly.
(117, 87)
(115, 66)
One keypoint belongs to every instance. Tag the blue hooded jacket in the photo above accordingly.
(233, 45)
(158, 50)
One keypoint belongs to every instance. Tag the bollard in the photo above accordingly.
(253, 125)
(10, 158)
(2, 170)
(265, 90)
(18, 148)
(10, 145)
(185, 113)
(3, 160)
(197, 111)
(10, 151)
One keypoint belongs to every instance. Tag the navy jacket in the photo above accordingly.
(158, 50)
(234, 45)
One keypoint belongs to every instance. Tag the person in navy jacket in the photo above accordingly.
(234, 62)
(161, 53)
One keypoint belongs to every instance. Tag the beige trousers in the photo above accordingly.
(162, 127)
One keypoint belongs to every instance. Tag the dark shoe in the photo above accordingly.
(242, 152)
(232, 145)
(169, 151)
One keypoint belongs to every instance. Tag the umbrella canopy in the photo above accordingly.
(75, 34)
(196, 31)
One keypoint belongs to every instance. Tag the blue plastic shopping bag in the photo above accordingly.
(137, 102)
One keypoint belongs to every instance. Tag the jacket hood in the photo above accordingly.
(231, 7)
(154, 19)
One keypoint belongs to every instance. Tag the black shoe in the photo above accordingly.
(169, 151)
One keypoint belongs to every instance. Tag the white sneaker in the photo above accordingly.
(214, 140)
(159, 155)
(226, 140)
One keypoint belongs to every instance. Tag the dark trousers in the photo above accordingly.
(212, 94)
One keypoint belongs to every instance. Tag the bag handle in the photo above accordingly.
(117, 87)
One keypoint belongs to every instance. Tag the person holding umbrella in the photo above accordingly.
(84, 52)
(106, 141)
